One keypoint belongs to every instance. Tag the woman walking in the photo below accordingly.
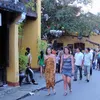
(50, 70)
(41, 62)
(67, 69)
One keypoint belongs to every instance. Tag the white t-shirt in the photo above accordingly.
(79, 58)
(87, 59)
(30, 57)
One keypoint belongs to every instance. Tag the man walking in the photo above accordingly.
(78, 63)
(87, 63)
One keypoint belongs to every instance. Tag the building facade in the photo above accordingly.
(74, 42)
(10, 15)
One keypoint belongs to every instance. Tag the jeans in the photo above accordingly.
(76, 71)
(87, 70)
(93, 65)
(21, 77)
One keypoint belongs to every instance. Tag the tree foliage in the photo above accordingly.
(66, 2)
(65, 17)
(30, 5)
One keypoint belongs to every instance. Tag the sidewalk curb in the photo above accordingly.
(36, 90)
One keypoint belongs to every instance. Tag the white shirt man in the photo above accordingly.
(78, 63)
(79, 59)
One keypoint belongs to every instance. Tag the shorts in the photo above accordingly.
(86, 70)
(42, 65)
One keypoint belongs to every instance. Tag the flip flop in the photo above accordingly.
(65, 94)
(70, 90)
(48, 95)
(54, 93)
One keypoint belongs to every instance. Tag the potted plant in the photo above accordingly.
(22, 62)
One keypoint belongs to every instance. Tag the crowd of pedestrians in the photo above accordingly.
(65, 62)
(68, 64)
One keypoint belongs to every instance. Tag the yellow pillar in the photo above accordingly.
(13, 69)
(32, 33)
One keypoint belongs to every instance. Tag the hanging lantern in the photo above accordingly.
(62, 28)
(56, 33)
(76, 33)
(79, 37)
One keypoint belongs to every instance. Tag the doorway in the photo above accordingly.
(4, 50)
(59, 46)
(81, 45)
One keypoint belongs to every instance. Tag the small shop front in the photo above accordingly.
(9, 11)
(4, 48)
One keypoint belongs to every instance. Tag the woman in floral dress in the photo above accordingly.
(50, 70)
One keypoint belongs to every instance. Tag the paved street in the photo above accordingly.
(13, 93)
(81, 90)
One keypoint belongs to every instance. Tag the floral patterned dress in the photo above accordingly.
(49, 72)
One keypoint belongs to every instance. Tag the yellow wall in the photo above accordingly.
(71, 40)
(13, 69)
(32, 31)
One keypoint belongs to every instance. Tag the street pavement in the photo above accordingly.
(81, 90)
(14, 93)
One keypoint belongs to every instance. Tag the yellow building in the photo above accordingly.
(32, 33)
(9, 16)
(74, 42)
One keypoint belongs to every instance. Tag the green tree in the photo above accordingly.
(65, 16)
(66, 2)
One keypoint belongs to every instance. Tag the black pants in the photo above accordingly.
(21, 77)
(58, 67)
(76, 71)
(27, 79)
(91, 71)
(99, 63)
(30, 74)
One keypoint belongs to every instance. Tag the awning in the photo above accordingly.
(88, 40)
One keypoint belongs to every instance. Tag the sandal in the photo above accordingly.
(54, 93)
(48, 95)
(65, 94)
(70, 90)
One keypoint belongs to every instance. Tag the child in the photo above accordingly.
(41, 62)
